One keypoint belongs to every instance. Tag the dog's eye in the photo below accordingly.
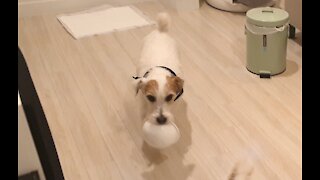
(169, 97)
(151, 98)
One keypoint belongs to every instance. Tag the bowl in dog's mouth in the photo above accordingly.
(160, 136)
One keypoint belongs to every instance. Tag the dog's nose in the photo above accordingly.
(161, 119)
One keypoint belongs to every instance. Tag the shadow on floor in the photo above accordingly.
(298, 38)
(291, 68)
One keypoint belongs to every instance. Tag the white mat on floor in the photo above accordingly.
(102, 20)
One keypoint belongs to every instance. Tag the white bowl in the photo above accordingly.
(160, 136)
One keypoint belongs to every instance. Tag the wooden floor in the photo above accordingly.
(226, 113)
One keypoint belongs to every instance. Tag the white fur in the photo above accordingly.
(159, 49)
(244, 168)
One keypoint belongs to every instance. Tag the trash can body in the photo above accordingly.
(266, 36)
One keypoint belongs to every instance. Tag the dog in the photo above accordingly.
(241, 171)
(244, 168)
(158, 73)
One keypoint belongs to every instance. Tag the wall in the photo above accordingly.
(294, 8)
(181, 5)
(38, 7)
(28, 159)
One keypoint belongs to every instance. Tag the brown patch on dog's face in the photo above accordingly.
(150, 88)
(174, 84)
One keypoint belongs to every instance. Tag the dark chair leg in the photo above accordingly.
(292, 31)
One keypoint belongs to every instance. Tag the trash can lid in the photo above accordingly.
(267, 17)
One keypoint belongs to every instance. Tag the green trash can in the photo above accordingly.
(266, 32)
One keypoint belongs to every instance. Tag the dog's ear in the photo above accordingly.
(137, 85)
(175, 84)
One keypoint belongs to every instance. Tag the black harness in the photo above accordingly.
(166, 68)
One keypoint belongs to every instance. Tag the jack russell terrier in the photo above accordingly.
(159, 75)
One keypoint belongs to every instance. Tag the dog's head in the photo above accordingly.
(160, 91)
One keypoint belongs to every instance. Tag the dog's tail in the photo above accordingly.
(163, 22)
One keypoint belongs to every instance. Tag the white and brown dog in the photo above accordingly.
(159, 75)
